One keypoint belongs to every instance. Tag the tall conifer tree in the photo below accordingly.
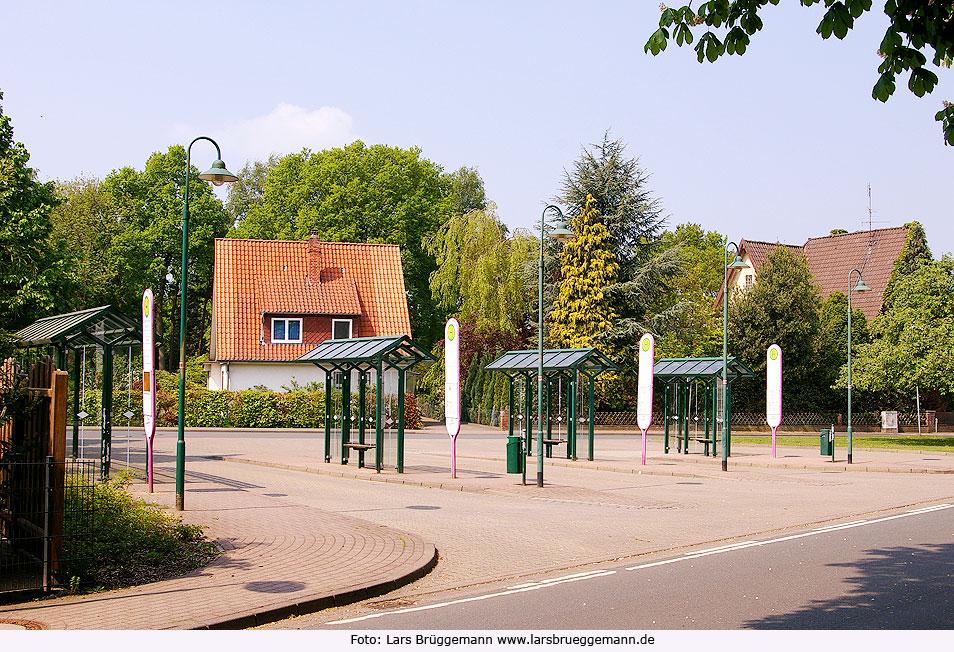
(582, 310)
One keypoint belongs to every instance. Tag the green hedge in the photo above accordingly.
(206, 408)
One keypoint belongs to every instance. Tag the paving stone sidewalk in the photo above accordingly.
(282, 558)
(279, 559)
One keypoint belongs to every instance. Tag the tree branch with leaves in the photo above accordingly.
(919, 38)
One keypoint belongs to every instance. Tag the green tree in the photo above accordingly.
(634, 222)
(465, 189)
(913, 341)
(619, 187)
(359, 193)
(582, 311)
(697, 331)
(832, 346)
(916, 29)
(87, 221)
(249, 190)
(483, 273)
(781, 308)
(833, 327)
(33, 267)
(914, 253)
(147, 246)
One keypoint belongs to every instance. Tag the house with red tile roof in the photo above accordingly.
(831, 258)
(275, 300)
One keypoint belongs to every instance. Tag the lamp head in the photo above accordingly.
(738, 263)
(218, 174)
(860, 286)
(560, 232)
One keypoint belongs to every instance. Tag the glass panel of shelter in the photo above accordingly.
(693, 412)
(562, 428)
(340, 433)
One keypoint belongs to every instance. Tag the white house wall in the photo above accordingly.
(238, 376)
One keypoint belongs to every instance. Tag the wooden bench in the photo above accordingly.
(361, 448)
(550, 443)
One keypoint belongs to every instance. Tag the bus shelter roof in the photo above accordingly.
(686, 369)
(100, 326)
(555, 361)
(397, 351)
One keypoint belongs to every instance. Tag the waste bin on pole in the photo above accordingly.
(514, 455)
(826, 441)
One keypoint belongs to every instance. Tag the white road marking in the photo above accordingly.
(749, 544)
(558, 579)
(522, 588)
(829, 527)
(533, 587)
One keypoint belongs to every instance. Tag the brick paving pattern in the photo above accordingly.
(279, 559)
(299, 533)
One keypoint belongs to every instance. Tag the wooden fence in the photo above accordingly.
(32, 464)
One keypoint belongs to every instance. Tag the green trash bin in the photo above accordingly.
(826, 442)
(514, 455)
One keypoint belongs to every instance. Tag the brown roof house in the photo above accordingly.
(830, 259)
(275, 300)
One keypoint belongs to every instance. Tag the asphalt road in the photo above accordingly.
(893, 570)
(889, 572)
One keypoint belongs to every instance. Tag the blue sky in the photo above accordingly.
(777, 145)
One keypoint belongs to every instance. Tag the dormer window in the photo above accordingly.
(286, 330)
(340, 329)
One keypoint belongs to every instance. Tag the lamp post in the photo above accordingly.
(859, 287)
(738, 263)
(561, 234)
(218, 175)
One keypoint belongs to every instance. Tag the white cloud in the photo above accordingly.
(288, 128)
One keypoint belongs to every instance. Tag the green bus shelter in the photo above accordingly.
(365, 355)
(570, 364)
(66, 336)
(688, 377)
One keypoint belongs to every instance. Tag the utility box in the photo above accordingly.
(889, 421)
(515, 455)
(827, 441)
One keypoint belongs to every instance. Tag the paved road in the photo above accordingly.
(890, 572)
(489, 529)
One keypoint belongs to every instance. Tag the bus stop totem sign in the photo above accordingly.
(452, 387)
(773, 390)
(644, 387)
(148, 379)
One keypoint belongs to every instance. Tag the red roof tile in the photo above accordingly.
(873, 252)
(255, 277)
(758, 251)
(832, 257)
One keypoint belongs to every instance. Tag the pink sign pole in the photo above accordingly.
(644, 387)
(773, 390)
(452, 387)
(148, 380)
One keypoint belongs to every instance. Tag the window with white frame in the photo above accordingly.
(340, 329)
(749, 281)
(286, 330)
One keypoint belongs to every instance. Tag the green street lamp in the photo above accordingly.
(560, 233)
(218, 175)
(738, 263)
(859, 287)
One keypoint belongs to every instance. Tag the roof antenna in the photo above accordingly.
(870, 232)
(869, 207)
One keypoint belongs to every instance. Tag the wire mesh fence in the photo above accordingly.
(46, 518)
(791, 419)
